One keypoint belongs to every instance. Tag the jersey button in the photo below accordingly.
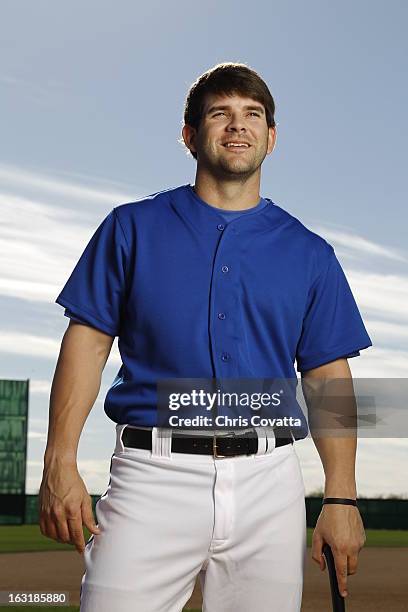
(225, 269)
(220, 227)
(221, 315)
(225, 356)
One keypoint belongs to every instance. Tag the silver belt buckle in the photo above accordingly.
(215, 451)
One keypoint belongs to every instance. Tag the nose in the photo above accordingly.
(236, 123)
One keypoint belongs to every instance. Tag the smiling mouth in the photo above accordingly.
(236, 148)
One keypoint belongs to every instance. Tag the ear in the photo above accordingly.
(272, 135)
(189, 134)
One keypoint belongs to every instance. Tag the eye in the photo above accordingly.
(255, 113)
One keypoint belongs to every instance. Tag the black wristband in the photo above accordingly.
(339, 500)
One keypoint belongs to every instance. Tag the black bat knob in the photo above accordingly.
(337, 599)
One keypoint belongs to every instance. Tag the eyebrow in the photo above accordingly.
(226, 107)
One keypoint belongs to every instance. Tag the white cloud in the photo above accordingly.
(354, 242)
(39, 246)
(385, 332)
(380, 466)
(94, 472)
(39, 346)
(28, 344)
(40, 241)
(37, 435)
(375, 362)
(384, 295)
(39, 386)
(22, 178)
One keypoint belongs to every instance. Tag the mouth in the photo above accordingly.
(236, 147)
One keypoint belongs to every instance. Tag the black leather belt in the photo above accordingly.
(218, 446)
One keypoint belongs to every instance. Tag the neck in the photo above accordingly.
(228, 194)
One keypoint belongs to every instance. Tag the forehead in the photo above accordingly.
(225, 100)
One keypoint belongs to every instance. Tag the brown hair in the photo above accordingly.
(226, 79)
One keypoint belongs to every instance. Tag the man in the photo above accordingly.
(209, 281)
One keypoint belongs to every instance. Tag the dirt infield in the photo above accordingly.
(379, 585)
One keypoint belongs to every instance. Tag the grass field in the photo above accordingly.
(26, 538)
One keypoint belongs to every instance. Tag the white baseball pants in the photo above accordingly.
(237, 522)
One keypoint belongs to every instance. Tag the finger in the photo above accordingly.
(352, 565)
(76, 533)
(63, 532)
(340, 561)
(51, 530)
(317, 552)
(42, 525)
(88, 518)
(49, 521)
(57, 533)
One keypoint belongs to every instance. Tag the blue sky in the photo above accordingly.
(91, 104)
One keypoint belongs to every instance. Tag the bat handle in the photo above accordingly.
(337, 599)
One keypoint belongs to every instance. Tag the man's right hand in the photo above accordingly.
(65, 505)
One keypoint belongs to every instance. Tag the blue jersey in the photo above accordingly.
(192, 292)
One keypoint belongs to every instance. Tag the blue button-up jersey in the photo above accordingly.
(193, 295)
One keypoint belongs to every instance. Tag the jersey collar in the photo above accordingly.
(203, 216)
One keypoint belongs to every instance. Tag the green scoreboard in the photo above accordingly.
(13, 449)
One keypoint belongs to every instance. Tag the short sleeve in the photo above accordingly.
(70, 315)
(95, 291)
(332, 325)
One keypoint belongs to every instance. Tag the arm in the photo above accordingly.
(64, 503)
(340, 526)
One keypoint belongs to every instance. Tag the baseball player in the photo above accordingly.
(204, 281)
